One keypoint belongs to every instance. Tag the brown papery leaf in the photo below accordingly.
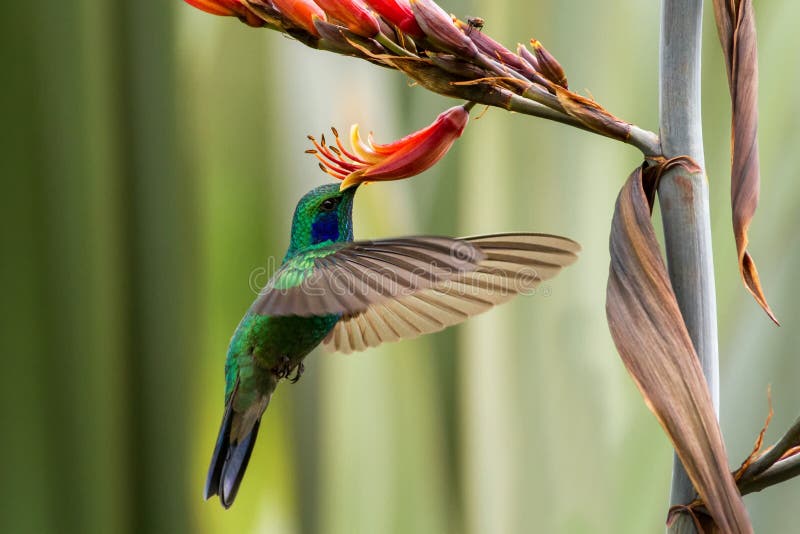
(652, 339)
(736, 26)
(592, 114)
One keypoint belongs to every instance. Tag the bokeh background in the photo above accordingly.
(152, 156)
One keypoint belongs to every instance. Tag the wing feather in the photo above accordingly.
(510, 264)
(347, 278)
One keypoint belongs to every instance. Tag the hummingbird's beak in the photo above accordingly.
(353, 180)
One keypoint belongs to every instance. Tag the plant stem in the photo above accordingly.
(646, 141)
(789, 440)
(684, 204)
(779, 472)
(392, 46)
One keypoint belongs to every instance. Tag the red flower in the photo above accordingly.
(409, 156)
(399, 13)
(301, 13)
(353, 14)
(228, 8)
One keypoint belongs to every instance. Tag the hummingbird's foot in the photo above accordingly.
(298, 372)
(283, 369)
(286, 367)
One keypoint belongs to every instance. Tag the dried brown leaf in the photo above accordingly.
(737, 32)
(754, 453)
(652, 339)
(592, 114)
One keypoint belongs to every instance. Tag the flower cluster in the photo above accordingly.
(417, 37)
(438, 51)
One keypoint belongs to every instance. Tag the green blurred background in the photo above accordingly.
(152, 157)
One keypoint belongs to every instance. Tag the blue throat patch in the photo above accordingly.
(325, 228)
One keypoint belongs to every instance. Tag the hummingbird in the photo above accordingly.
(352, 295)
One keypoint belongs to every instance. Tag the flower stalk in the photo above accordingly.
(685, 207)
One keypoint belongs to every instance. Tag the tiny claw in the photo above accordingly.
(298, 372)
(282, 369)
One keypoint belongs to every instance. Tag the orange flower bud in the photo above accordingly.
(228, 8)
(353, 14)
(300, 13)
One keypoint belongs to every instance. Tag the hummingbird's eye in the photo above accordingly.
(329, 204)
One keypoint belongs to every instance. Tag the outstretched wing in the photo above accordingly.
(348, 278)
(510, 264)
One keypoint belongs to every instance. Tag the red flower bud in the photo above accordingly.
(301, 13)
(397, 12)
(353, 14)
(228, 8)
(409, 156)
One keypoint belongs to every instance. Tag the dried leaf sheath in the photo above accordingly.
(737, 32)
(652, 339)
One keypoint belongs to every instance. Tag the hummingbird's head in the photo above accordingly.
(323, 216)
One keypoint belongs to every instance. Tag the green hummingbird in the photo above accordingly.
(352, 295)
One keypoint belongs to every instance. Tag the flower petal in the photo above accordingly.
(301, 13)
(447, 119)
(363, 151)
(216, 7)
(354, 14)
(409, 156)
(228, 8)
(426, 150)
(398, 12)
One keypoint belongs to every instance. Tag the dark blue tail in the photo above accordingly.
(229, 461)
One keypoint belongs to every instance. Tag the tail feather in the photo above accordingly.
(230, 458)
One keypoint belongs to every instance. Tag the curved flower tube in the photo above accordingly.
(353, 14)
(228, 8)
(301, 13)
(367, 161)
(399, 13)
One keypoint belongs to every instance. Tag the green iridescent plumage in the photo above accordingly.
(355, 295)
(265, 348)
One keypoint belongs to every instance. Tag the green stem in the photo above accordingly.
(392, 46)
(779, 472)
